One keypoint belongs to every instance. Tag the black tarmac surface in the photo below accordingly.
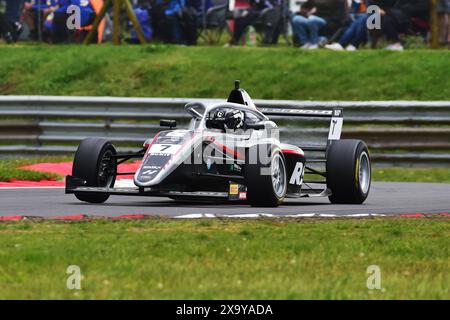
(385, 198)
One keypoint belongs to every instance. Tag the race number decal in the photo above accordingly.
(297, 174)
(164, 148)
(335, 128)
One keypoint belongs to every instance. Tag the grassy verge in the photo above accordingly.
(167, 259)
(397, 174)
(268, 73)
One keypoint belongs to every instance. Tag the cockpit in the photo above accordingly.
(222, 116)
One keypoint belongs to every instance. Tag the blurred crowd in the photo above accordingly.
(308, 24)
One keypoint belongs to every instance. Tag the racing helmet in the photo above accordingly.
(227, 118)
(234, 119)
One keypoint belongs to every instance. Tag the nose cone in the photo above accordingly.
(165, 153)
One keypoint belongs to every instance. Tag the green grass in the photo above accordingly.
(223, 259)
(267, 73)
(398, 174)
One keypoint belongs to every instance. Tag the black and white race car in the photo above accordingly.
(231, 151)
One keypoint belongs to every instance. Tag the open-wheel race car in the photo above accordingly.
(230, 152)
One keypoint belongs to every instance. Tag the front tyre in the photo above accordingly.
(266, 180)
(348, 171)
(95, 162)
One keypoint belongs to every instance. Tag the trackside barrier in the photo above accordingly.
(402, 132)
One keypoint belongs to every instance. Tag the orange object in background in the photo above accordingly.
(97, 5)
(362, 7)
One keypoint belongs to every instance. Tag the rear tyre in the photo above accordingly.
(95, 163)
(348, 171)
(266, 180)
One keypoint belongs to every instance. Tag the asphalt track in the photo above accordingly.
(385, 198)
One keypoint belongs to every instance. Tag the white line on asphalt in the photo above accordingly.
(269, 215)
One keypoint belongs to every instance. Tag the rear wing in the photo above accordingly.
(317, 157)
(335, 115)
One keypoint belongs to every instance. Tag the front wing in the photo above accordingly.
(236, 192)
(75, 185)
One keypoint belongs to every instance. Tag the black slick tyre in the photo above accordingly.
(348, 170)
(95, 163)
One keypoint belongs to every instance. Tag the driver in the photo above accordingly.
(226, 118)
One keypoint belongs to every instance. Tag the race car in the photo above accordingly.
(230, 151)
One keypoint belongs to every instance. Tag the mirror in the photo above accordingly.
(168, 123)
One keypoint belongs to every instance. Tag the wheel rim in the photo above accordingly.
(107, 169)
(364, 172)
(278, 176)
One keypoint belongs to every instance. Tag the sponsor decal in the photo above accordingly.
(297, 174)
(220, 114)
(242, 195)
(297, 111)
(160, 154)
(148, 172)
(234, 189)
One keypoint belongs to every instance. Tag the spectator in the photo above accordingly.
(12, 13)
(142, 11)
(356, 33)
(306, 25)
(160, 24)
(59, 23)
(7, 30)
(177, 21)
(444, 21)
(34, 11)
(173, 17)
(249, 17)
(193, 17)
(396, 18)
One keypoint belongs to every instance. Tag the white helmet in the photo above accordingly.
(234, 119)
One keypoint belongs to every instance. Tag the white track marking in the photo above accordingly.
(196, 216)
(269, 215)
(301, 215)
(248, 215)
